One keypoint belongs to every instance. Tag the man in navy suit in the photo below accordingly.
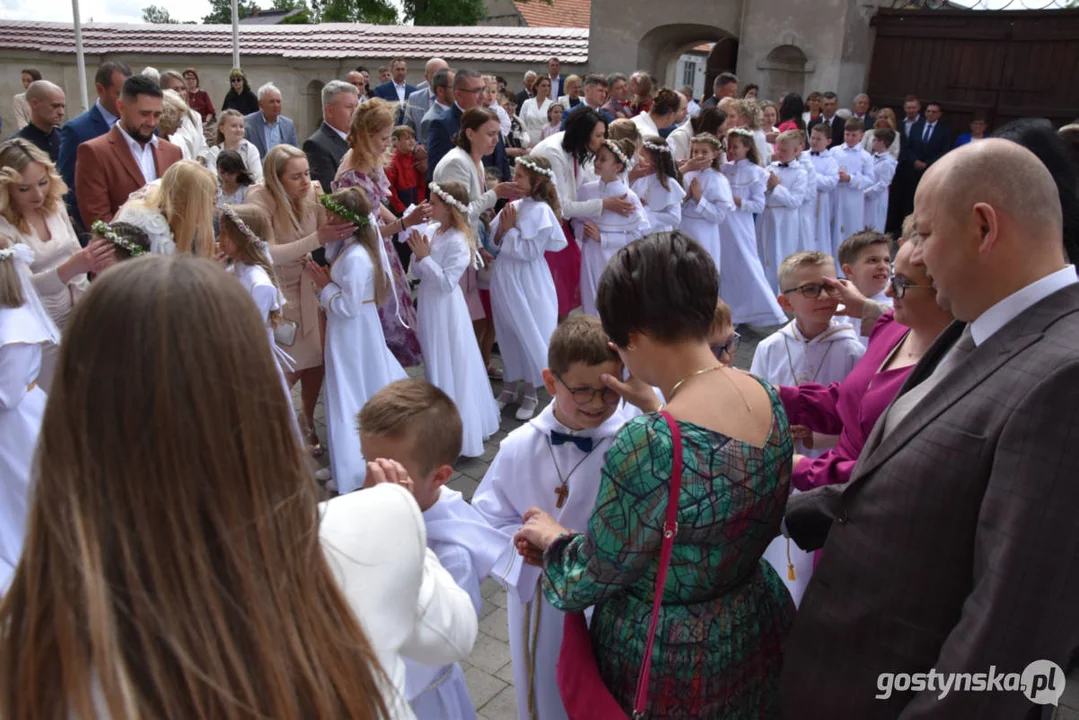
(468, 88)
(396, 89)
(96, 121)
(929, 139)
(554, 65)
(268, 128)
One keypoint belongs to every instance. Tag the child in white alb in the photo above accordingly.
(876, 195)
(451, 357)
(708, 199)
(807, 212)
(814, 347)
(417, 425)
(660, 191)
(855, 175)
(604, 236)
(779, 231)
(827, 176)
(554, 463)
(743, 283)
(523, 296)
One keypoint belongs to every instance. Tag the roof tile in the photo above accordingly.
(556, 13)
(330, 40)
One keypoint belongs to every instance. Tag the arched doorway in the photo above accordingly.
(784, 70)
(723, 58)
(313, 100)
(660, 48)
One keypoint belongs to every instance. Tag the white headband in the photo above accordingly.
(610, 145)
(449, 199)
(533, 167)
(664, 148)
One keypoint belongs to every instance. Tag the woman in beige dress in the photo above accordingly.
(299, 226)
(32, 213)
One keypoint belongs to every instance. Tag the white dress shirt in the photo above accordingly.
(109, 117)
(401, 89)
(908, 124)
(996, 317)
(143, 154)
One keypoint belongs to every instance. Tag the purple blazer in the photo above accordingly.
(849, 408)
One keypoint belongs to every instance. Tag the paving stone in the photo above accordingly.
(482, 687)
(502, 706)
(496, 623)
(506, 673)
(489, 655)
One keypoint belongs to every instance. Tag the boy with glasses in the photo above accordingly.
(553, 462)
(815, 347)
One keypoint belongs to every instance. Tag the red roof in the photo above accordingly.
(331, 40)
(560, 13)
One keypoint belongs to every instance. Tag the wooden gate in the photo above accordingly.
(1008, 64)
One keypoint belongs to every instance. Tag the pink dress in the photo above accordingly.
(400, 338)
(850, 408)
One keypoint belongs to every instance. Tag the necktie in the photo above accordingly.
(927, 133)
(584, 444)
(913, 397)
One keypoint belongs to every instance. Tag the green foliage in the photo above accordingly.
(378, 12)
(445, 12)
(158, 16)
(221, 11)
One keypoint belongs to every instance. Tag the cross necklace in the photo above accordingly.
(562, 491)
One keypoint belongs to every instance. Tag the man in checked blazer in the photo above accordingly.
(954, 548)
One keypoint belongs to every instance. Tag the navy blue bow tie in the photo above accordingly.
(584, 444)
(784, 164)
(814, 153)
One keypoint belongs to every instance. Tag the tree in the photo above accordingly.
(158, 16)
(378, 12)
(304, 17)
(221, 11)
(444, 12)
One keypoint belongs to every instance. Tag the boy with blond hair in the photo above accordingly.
(884, 165)
(553, 462)
(417, 425)
(866, 260)
(827, 175)
(855, 175)
(780, 228)
(815, 347)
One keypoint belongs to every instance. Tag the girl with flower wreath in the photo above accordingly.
(358, 361)
(369, 138)
(450, 360)
(523, 295)
(660, 188)
(604, 236)
(25, 331)
(708, 197)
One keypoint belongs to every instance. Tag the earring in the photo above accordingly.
(631, 347)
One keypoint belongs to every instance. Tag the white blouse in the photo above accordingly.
(534, 117)
(57, 297)
(566, 179)
(249, 153)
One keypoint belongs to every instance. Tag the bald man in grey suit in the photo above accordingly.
(954, 547)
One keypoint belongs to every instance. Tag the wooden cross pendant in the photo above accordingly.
(562, 492)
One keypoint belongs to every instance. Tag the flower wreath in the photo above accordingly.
(533, 167)
(449, 199)
(662, 148)
(360, 221)
(258, 242)
(744, 132)
(610, 145)
(712, 140)
(103, 229)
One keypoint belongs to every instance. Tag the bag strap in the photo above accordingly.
(670, 529)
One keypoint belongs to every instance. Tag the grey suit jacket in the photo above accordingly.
(416, 107)
(425, 123)
(254, 128)
(954, 546)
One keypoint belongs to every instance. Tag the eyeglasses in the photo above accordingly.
(813, 290)
(585, 395)
(900, 285)
(239, 80)
(476, 91)
(730, 347)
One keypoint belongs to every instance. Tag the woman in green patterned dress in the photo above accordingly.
(726, 613)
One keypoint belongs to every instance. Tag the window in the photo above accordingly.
(689, 73)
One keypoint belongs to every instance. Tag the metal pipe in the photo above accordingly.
(80, 60)
(235, 34)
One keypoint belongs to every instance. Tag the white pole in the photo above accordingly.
(235, 35)
(80, 61)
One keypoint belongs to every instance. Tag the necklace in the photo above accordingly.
(562, 491)
(706, 370)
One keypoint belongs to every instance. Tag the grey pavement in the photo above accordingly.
(488, 671)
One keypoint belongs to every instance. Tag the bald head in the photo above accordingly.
(990, 221)
(1004, 175)
(433, 65)
(47, 104)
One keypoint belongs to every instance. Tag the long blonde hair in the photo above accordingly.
(11, 295)
(286, 210)
(370, 118)
(257, 221)
(204, 593)
(15, 156)
(459, 192)
(357, 201)
(186, 197)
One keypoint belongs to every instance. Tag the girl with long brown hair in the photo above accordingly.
(363, 167)
(177, 564)
(298, 226)
(25, 330)
(358, 361)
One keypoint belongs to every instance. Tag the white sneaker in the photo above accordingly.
(528, 408)
(505, 398)
(323, 474)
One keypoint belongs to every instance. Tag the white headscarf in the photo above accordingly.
(29, 323)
